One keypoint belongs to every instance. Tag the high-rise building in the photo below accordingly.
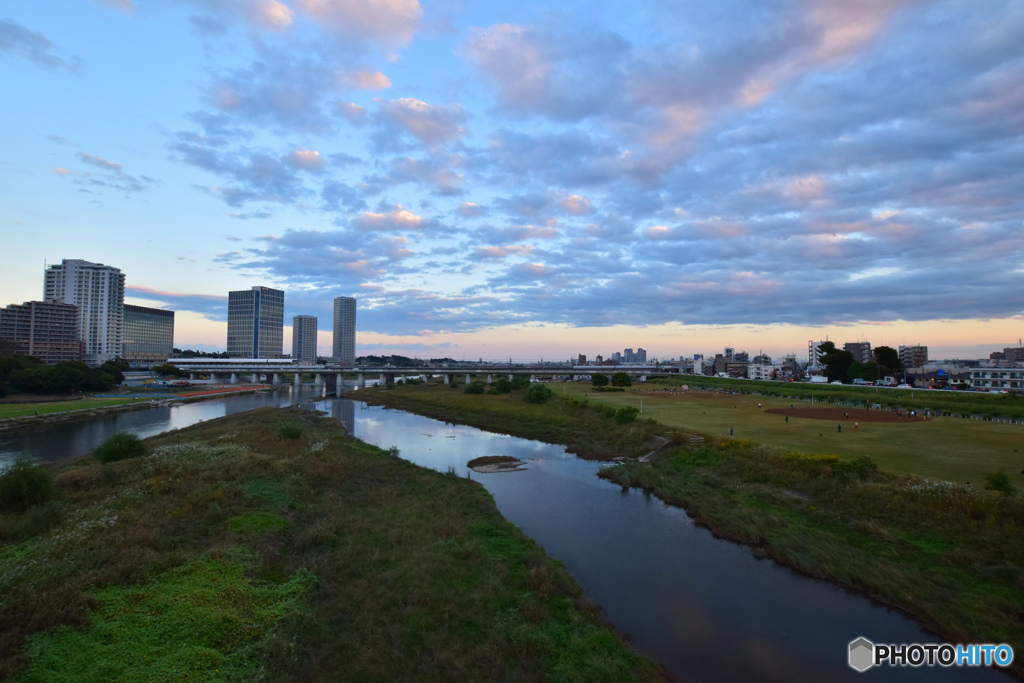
(148, 335)
(913, 356)
(47, 330)
(344, 346)
(861, 351)
(304, 338)
(256, 323)
(98, 292)
(641, 356)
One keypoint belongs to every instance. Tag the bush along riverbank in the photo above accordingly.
(272, 546)
(594, 431)
(950, 556)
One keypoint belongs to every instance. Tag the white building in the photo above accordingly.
(304, 339)
(344, 343)
(98, 291)
(760, 371)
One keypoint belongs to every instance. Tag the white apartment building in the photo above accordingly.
(98, 291)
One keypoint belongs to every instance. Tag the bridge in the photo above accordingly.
(274, 371)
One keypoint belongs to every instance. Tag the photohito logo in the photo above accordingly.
(863, 654)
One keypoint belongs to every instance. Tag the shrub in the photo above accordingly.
(626, 415)
(475, 388)
(120, 446)
(520, 382)
(24, 485)
(999, 482)
(290, 429)
(502, 386)
(862, 467)
(537, 393)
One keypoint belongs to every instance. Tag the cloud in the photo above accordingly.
(353, 113)
(392, 219)
(365, 79)
(471, 210)
(430, 124)
(123, 5)
(434, 172)
(114, 175)
(213, 306)
(16, 40)
(576, 205)
(306, 160)
(390, 22)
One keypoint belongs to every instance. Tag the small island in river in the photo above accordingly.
(495, 463)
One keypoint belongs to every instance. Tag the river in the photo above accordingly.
(704, 608)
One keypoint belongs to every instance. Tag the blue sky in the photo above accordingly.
(543, 179)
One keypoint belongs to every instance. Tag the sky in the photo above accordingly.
(530, 180)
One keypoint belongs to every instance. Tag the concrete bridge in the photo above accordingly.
(268, 371)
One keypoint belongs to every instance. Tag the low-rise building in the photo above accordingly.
(998, 379)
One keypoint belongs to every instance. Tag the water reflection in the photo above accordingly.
(704, 608)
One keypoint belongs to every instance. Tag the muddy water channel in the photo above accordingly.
(704, 608)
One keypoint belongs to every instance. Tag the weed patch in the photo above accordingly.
(120, 446)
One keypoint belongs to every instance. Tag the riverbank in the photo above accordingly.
(589, 433)
(948, 555)
(272, 545)
(88, 408)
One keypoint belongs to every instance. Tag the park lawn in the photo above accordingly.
(21, 409)
(271, 545)
(948, 449)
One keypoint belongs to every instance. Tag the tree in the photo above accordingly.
(888, 358)
(837, 363)
(622, 380)
(599, 380)
(537, 393)
(167, 370)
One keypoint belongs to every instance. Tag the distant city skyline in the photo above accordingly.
(530, 180)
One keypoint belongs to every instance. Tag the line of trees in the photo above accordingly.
(27, 374)
(841, 365)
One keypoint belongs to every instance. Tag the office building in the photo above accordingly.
(861, 351)
(913, 356)
(304, 339)
(344, 342)
(148, 335)
(256, 323)
(98, 292)
(47, 330)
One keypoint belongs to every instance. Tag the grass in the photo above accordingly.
(949, 554)
(948, 449)
(232, 551)
(22, 409)
(583, 427)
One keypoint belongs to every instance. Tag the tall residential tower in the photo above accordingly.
(344, 348)
(256, 323)
(304, 339)
(98, 291)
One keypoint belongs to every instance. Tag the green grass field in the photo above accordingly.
(949, 449)
(21, 409)
(270, 545)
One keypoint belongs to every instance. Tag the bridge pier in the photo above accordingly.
(467, 378)
(318, 379)
(276, 378)
(447, 378)
(361, 382)
(254, 378)
(338, 381)
(297, 379)
(489, 379)
(510, 377)
(533, 378)
(234, 378)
